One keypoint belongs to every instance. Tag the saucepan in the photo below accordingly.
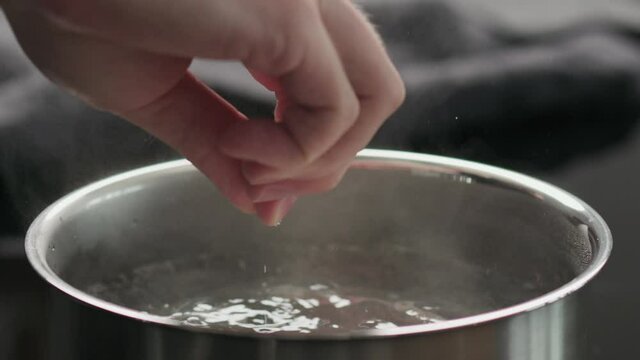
(412, 256)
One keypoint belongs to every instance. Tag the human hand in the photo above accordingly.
(332, 78)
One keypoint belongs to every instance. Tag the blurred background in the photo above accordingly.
(550, 88)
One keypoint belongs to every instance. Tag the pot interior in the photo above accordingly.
(396, 244)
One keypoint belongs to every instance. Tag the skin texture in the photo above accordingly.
(333, 80)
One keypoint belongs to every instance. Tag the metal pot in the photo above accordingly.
(498, 254)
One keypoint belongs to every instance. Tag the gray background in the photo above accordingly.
(550, 88)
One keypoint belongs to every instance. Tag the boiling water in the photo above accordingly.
(264, 303)
(315, 308)
(316, 294)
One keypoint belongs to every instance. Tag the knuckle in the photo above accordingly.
(281, 46)
(396, 94)
(327, 185)
(332, 182)
(348, 109)
(330, 168)
(335, 180)
(279, 53)
(333, 125)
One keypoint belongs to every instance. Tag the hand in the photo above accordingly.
(333, 80)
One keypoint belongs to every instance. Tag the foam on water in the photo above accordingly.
(315, 308)
(267, 305)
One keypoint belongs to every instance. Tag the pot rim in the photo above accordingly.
(37, 236)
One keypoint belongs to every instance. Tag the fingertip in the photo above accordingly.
(271, 213)
(239, 197)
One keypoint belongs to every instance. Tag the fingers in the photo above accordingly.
(190, 118)
(316, 103)
(215, 29)
(285, 188)
(273, 201)
(334, 83)
(102, 73)
(283, 39)
(272, 212)
(371, 75)
(153, 91)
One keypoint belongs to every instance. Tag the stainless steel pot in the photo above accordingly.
(500, 255)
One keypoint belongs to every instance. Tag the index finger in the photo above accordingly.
(376, 82)
(284, 39)
(319, 104)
